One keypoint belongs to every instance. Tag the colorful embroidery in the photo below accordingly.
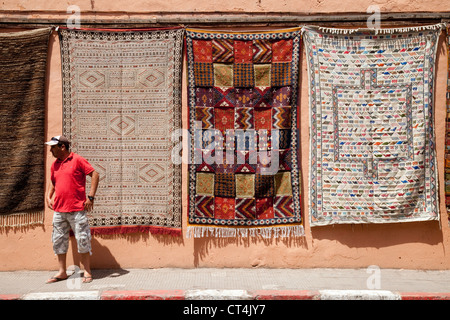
(372, 139)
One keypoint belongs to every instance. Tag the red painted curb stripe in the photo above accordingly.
(425, 296)
(143, 295)
(10, 296)
(285, 295)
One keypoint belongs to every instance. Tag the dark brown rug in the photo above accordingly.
(23, 60)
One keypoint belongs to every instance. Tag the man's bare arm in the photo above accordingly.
(89, 204)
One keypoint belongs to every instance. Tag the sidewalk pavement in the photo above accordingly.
(231, 284)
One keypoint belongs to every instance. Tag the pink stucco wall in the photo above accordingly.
(417, 245)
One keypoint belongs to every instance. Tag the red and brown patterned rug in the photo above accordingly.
(244, 171)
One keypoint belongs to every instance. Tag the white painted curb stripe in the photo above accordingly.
(71, 295)
(217, 295)
(358, 295)
(211, 294)
(323, 295)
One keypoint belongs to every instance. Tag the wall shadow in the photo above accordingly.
(380, 235)
(203, 245)
(21, 229)
(102, 258)
(138, 237)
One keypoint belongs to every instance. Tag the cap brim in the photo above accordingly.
(51, 143)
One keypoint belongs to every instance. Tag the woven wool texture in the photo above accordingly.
(23, 62)
(372, 138)
(447, 136)
(244, 175)
(122, 103)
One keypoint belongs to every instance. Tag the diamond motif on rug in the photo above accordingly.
(122, 103)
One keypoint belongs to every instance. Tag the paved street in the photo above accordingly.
(207, 283)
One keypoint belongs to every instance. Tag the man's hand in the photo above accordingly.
(50, 200)
(88, 205)
(50, 203)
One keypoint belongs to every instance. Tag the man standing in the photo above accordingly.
(68, 176)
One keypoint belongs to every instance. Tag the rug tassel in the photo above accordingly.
(265, 232)
(339, 31)
(22, 219)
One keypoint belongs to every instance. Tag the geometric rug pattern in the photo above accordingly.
(373, 154)
(244, 175)
(122, 104)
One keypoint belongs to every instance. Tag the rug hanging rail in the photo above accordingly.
(22, 19)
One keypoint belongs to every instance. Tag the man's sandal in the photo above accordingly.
(56, 279)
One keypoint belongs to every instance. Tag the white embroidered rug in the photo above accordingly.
(122, 102)
(372, 139)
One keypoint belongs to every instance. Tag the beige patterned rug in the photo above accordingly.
(122, 102)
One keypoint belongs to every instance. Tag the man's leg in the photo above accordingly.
(86, 261)
(62, 266)
(60, 239)
(83, 236)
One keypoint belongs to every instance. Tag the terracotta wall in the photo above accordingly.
(43, 7)
(412, 245)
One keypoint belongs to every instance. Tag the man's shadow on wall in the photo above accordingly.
(103, 263)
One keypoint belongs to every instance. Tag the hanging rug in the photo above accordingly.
(373, 157)
(244, 174)
(122, 104)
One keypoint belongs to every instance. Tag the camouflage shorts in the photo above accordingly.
(78, 222)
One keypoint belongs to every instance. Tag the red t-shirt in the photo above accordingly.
(69, 179)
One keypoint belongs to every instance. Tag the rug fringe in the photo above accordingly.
(379, 30)
(135, 229)
(24, 219)
(226, 232)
